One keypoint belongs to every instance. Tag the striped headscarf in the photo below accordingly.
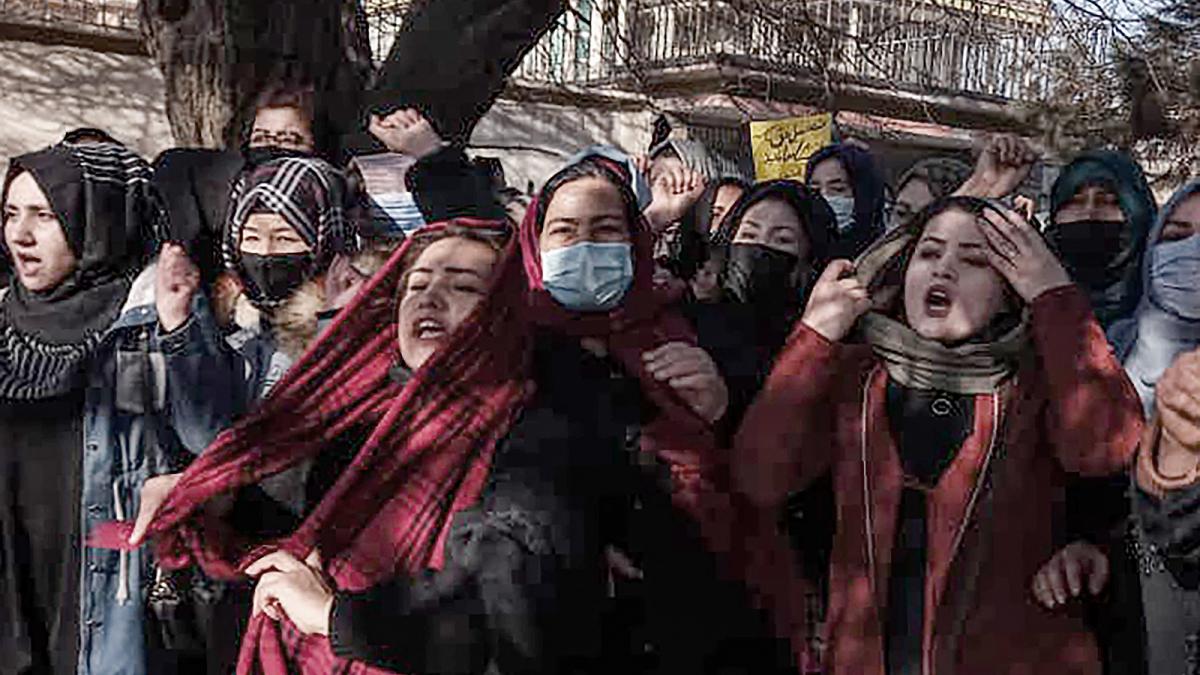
(308, 193)
(113, 222)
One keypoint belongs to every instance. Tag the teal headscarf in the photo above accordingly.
(1115, 293)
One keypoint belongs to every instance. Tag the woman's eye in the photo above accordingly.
(927, 253)
(475, 290)
(976, 261)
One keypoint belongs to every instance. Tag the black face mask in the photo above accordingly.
(759, 275)
(271, 279)
(1090, 249)
(268, 153)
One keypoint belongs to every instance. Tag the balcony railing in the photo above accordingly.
(981, 49)
(116, 16)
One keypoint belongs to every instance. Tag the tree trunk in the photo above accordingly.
(216, 56)
(451, 60)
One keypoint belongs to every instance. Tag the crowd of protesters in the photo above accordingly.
(270, 412)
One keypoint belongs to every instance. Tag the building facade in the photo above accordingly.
(911, 77)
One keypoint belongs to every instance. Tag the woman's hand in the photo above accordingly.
(1066, 574)
(175, 284)
(287, 586)
(675, 191)
(1020, 255)
(838, 299)
(691, 372)
(1003, 165)
(154, 493)
(1177, 400)
(406, 131)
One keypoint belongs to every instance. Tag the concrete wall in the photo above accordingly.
(48, 90)
(532, 140)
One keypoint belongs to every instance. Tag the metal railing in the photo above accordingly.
(118, 16)
(968, 47)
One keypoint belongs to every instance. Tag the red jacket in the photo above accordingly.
(1069, 408)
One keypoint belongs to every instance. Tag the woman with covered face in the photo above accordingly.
(289, 243)
(848, 179)
(82, 422)
(779, 235)
(977, 376)
(773, 244)
(1101, 210)
(1148, 573)
(588, 260)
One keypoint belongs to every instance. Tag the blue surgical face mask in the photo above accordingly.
(588, 277)
(843, 210)
(1175, 276)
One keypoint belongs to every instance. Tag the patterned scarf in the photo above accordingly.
(309, 194)
(113, 222)
(427, 455)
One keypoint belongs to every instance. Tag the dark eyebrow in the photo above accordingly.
(933, 238)
(970, 244)
(449, 270)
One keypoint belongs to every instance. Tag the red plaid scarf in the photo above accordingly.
(428, 456)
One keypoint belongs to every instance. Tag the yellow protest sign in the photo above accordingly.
(782, 147)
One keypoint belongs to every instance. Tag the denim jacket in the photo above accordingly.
(131, 434)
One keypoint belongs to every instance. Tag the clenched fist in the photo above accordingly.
(837, 301)
(175, 284)
(406, 131)
(1177, 400)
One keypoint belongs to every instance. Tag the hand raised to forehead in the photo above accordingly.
(1020, 254)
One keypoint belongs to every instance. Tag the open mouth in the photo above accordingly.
(429, 329)
(938, 302)
(26, 261)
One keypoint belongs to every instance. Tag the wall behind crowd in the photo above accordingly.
(532, 140)
(51, 89)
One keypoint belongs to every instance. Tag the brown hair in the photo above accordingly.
(300, 97)
(494, 239)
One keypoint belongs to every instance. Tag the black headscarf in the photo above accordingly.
(758, 275)
(869, 196)
(685, 252)
(1105, 262)
(113, 222)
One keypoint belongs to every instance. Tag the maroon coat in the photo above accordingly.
(1068, 409)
